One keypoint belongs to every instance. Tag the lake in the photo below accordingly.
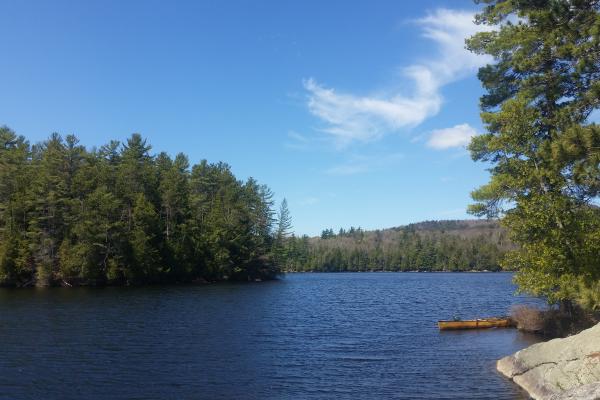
(306, 336)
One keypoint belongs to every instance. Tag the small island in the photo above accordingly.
(119, 215)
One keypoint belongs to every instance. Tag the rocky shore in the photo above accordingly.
(562, 369)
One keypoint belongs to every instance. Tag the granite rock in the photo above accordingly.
(566, 368)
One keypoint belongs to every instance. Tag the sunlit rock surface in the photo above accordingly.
(566, 368)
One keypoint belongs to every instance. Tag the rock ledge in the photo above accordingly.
(560, 369)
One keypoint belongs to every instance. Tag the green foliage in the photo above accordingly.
(284, 221)
(282, 234)
(543, 150)
(120, 215)
(588, 295)
(144, 239)
(428, 246)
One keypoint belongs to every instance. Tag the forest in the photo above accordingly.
(121, 215)
(470, 245)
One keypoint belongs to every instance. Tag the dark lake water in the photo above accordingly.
(307, 336)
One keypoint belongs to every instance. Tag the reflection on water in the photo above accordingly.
(307, 336)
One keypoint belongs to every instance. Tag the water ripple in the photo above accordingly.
(308, 336)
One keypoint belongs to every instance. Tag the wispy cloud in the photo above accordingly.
(308, 201)
(347, 169)
(457, 136)
(349, 117)
(359, 164)
(299, 141)
(298, 137)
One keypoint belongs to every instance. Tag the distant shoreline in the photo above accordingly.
(401, 272)
(204, 282)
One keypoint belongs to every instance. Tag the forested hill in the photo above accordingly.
(119, 214)
(463, 245)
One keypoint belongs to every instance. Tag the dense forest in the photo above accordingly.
(427, 246)
(121, 215)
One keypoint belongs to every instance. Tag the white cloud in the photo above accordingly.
(349, 117)
(457, 136)
(298, 137)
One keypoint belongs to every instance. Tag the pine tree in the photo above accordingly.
(284, 221)
(284, 226)
(540, 90)
(144, 239)
(14, 185)
(120, 215)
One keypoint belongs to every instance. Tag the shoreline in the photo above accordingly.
(403, 272)
(195, 282)
(203, 282)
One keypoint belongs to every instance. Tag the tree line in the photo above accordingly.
(427, 246)
(121, 215)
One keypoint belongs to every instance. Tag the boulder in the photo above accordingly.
(589, 391)
(566, 368)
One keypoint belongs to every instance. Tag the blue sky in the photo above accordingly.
(356, 112)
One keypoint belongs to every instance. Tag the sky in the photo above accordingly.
(358, 113)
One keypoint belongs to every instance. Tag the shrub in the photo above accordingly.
(563, 321)
(527, 318)
(588, 296)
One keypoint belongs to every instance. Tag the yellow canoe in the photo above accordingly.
(476, 324)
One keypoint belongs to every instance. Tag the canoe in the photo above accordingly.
(476, 324)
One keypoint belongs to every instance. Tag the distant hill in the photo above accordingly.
(455, 245)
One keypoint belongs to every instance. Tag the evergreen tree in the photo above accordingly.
(429, 246)
(540, 90)
(120, 215)
(144, 239)
(284, 225)
(284, 221)
(14, 186)
(49, 213)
